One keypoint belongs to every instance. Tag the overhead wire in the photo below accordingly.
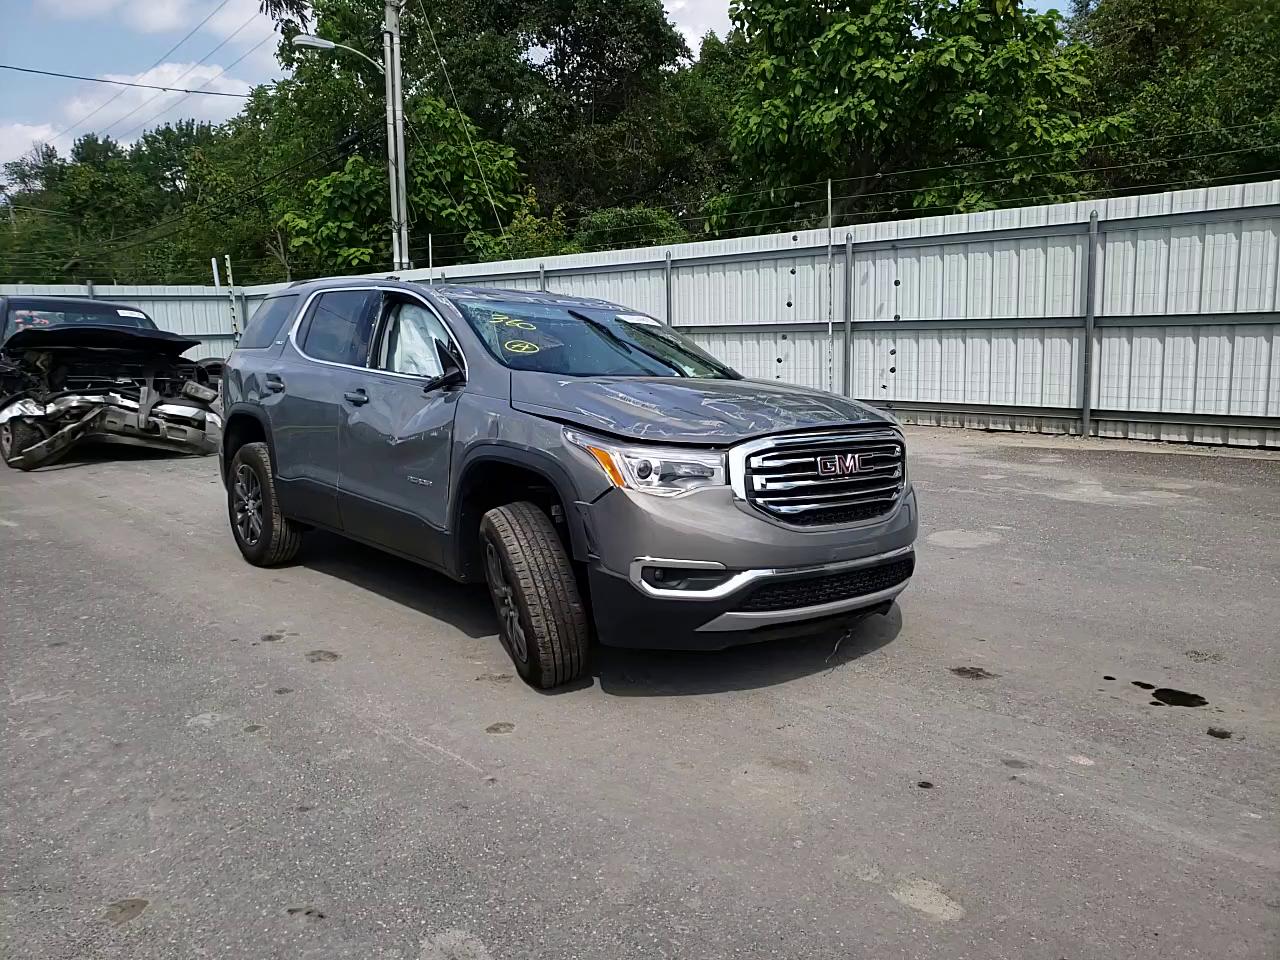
(172, 106)
(909, 191)
(120, 83)
(185, 73)
(159, 60)
(466, 123)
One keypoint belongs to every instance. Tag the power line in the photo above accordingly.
(159, 60)
(122, 83)
(184, 73)
(174, 105)
(466, 123)
(1048, 153)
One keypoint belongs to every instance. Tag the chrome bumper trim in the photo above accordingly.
(744, 578)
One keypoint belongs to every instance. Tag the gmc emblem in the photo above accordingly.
(844, 464)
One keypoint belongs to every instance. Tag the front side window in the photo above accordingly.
(586, 341)
(339, 326)
(412, 340)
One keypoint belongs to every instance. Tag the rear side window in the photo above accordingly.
(339, 326)
(267, 322)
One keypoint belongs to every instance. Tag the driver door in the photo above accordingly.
(395, 439)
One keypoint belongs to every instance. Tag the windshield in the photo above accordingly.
(586, 341)
(43, 316)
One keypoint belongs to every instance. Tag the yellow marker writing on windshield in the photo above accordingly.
(520, 346)
(521, 325)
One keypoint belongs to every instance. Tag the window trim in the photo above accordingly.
(365, 368)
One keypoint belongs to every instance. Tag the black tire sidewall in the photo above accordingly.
(21, 436)
(531, 668)
(255, 553)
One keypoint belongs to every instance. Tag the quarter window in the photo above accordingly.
(266, 323)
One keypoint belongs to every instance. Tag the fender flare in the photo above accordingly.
(240, 409)
(540, 463)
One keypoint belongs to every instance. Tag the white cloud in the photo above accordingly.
(18, 138)
(135, 110)
(693, 18)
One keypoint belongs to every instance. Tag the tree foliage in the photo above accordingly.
(573, 125)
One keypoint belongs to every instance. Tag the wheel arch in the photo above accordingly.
(245, 423)
(493, 475)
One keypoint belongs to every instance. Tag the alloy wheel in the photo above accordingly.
(247, 503)
(505, 601)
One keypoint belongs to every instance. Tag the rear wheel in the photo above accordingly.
(15, 438)
(541, 619)
(264, 535)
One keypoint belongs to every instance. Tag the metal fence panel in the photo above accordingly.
(977, 319)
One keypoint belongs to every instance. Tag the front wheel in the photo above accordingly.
(264, 535)
(16, 438)
(541, 617)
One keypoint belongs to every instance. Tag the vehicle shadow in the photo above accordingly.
(88, 454)
(465, 606)
(620, 672)
(669, 673)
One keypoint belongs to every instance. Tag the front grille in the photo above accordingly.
(821, 479)
(828, 588)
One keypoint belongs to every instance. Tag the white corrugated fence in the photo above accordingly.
(973, 319)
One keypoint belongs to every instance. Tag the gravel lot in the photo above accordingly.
(333, 760)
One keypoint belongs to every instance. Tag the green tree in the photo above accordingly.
(637, 226)
(855, 89)
(1184, 78)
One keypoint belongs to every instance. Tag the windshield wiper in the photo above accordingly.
(604, 330)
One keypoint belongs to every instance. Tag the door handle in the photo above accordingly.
(274, 383)
(356, 397)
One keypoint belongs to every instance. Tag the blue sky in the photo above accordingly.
(132, 39)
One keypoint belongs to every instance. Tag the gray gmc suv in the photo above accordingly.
(594, 467)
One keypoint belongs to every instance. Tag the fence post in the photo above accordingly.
(88, 289)
(848, 314)
(1093, 259)
(231, 295)
(542, 277)
(670, 292)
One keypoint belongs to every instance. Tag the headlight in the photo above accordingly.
(662, 471)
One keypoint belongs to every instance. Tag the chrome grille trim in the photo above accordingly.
(779, 475)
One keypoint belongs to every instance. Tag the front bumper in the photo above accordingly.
(768, 581)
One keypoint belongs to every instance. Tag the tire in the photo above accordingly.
(15, 438)
(274, 539)
(541, 618)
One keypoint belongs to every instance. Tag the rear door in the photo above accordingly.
(396, 438)
(329, 346)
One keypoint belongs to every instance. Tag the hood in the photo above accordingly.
(98, 337)
(674, 410)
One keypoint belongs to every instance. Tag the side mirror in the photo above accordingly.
(450, 374)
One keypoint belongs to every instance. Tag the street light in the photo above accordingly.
(390, 70)
(319, 43)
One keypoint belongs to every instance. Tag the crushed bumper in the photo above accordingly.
(186, 424)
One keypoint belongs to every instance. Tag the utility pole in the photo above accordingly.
(395, 136)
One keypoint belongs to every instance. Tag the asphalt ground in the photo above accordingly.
(333, 760)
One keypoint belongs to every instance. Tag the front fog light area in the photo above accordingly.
(678, 578)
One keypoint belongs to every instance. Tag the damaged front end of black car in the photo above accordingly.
(74, 375)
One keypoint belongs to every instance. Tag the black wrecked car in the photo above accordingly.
(74, 370)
